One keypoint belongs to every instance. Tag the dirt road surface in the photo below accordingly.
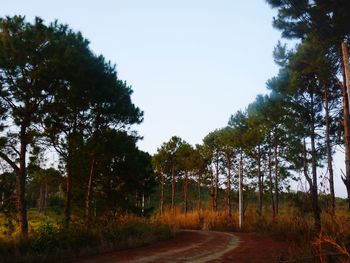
(200, 246)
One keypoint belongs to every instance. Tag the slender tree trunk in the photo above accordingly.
(199, 192)
(276, 176)
(229, 187)
(68, 191)
(271, 186)
(162, 194)
(329, 152)
(212, 188)
(216, 190)
(21, 183)
(314, 192)
(143, 205)
(240, 192)
(46, 194)
(346, 67)
(89, 191)
(346, 179)
(185, 192)
(260, 183)
(40, 204)
(137, 200)
(173, 189)
(305, 166)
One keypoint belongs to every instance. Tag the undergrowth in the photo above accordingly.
(51, 242)
(331, 244)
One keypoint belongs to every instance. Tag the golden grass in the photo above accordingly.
(290, 225)
(330, 249)
(205, 219)
(332, 243)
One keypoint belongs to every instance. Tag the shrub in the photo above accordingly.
(49, 242)
(45, 239)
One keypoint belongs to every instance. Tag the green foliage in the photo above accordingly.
(50, 242)
(57, 93)
(46, 239)
(129, 233)
(79, 236)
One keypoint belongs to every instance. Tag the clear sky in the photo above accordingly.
(191, 63)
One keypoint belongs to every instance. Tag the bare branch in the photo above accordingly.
(9, 161)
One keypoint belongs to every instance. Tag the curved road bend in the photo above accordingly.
(188, 246)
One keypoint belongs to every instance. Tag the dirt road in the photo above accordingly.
(199, 246)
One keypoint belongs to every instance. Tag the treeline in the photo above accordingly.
(58, 98)
(294, 131)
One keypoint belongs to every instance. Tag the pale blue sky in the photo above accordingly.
(191, 63)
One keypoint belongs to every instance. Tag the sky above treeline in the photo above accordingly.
(191, 63)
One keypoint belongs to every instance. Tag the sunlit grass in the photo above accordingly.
(290, 225)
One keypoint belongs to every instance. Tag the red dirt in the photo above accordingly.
(257, 248)
(201, 246)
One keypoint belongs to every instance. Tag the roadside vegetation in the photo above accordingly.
(50, 241)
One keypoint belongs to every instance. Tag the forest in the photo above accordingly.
(72, 176)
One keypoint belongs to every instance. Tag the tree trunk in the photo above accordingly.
(199, 192)
(346, 106)
(212, 188)
(173, 189)
(21, 184)
(185, 192)
(260, 183)
(68, 192)
(216, 190)
(276, 176)
(40, 203)
(229, 187)
(240, 192)
(162, 194)
(89, 191)
(46, 194)
(305, 166)
(329, 152)
(271, 186)
(137, 200)
(314, 192)
(346, 67)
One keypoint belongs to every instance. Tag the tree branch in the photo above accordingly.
(9, 161)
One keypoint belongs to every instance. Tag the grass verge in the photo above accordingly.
(50, 242)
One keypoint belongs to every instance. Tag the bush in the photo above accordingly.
(49, 242)
(132, 231)
(45, 239)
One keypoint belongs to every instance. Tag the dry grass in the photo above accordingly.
(206, 220)
(292, 226)
(331, 245)
(330, 250)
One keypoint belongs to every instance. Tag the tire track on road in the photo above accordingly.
(188, 246)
